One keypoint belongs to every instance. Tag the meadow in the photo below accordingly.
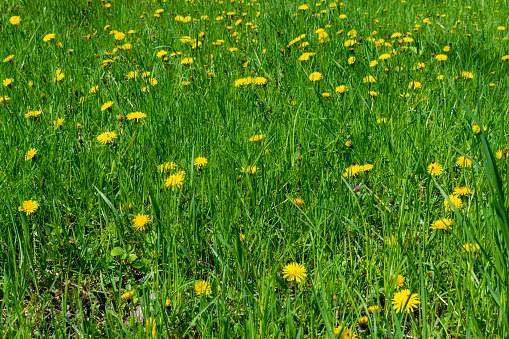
(254, 169)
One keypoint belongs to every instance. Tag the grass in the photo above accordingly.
(68, 266)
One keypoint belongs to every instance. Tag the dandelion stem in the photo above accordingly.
(132, 139)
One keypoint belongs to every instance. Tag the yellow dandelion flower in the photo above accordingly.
(476, 129)
(9, 58)
(341, 89)
(400, 280)
(352, 171)
(59, 75)
(462, 161)
(405, 301)
(441, 57)
(30, 154)
(136, 115)
(119, 36)
(127, 296)
(175, 180)
(249, 170)
(32, 114)
(260, 81)
(200, 161)
(470, 247)
(257, 137)
(7, 82)
(455, 200)
(140, 221)
(15, 20)
(294, 271)
(344, 333)
(298, 201)
(202, 287)
(165, 167)
(106, 137)
(461, 191)
(58, 122)
(106, 105)
(414, 85)
(29, 207)
(369, 79)
(435, 169)
(374, 309)
(442, 224)
(48, 37)
(315, 76)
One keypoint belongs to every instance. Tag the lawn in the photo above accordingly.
(254, 169)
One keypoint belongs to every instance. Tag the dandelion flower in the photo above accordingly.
(119, 36)
(32, 114)
(298, 201)
(441, 57)
(470, 247)
(400, 281)
(315, 76)
(369, 79)
(374, 309)
(455, 200)
(442, 224)
(140, 221)
(106, 137)
(165, 167)
(175, 180)
(294, 271)
(344, 333)
(414, 85)
(9, 58)
(363, 322)
(136, 115)
(462, 161)
(187, 61)
(7, 82)
(106, 105)
(200, 161)
(257, 137)
(250, 169)
(58, 122)
(260, 81)
(59, 75)
(202, 287)
(405, 301)
(476, 129)
(351, 60)
(352, 171)
(127, 295)
(15, 20)
(341, 89)
(435, 169)
(29, 207)
(30, 154)
(48, 37)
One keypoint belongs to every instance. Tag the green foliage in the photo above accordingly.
(129, 218)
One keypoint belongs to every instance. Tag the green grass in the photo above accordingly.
(65, 267)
